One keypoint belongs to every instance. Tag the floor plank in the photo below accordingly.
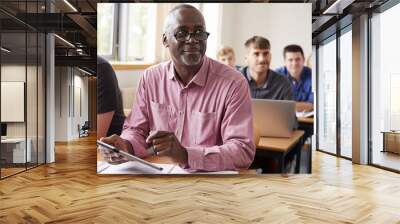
(70, 191)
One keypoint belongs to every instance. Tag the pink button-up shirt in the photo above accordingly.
(211, 116)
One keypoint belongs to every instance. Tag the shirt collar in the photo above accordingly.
(199, 78)
(302, 76)
(251, 79)
(171, 73)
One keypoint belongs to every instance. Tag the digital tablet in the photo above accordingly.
(127, 155)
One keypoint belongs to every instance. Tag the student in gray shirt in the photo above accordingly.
(264, 83)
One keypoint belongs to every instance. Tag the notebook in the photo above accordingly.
(134, 167)
(305, 114)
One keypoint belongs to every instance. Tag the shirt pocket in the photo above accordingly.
(164, 117)
(204, 128)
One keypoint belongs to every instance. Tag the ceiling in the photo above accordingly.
(326, 14)
(329, 16)
(76, 22)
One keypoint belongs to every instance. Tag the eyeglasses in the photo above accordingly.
(183, 35)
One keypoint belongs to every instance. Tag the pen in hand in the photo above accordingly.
(154, 139)
(151, 150)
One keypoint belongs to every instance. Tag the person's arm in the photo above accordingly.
(307, 105)
(105, 120)
(106, 98)
(136, 126)
(238, 149)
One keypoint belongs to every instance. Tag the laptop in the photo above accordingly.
(274, 118)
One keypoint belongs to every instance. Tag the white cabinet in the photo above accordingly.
(13, 150)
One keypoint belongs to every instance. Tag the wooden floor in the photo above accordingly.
(10, 171)
(70, 191)
(386, 159)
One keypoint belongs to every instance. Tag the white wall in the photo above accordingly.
(68, 81)
(61, 103)
(12, 73)
(128, 78)
(80, 83)
(280, 23)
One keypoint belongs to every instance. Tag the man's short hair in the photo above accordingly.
(172, 13)
(225, 51)
(258, 42)
(293, 48)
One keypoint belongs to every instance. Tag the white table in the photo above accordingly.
(16, 148)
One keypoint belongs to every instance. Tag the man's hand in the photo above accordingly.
(166, 144)
(118, 142)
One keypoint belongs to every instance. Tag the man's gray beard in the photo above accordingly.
(191, 60)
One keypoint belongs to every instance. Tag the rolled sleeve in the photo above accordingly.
(238, 148)
(196, 158)
(106, 89)
(136, 125)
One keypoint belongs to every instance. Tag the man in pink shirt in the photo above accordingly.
(192, 109)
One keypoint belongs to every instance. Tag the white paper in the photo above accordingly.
(132, 167)
(178, 170)
(305, 114)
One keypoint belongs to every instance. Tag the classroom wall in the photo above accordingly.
(71, 87)
(81, 109)
(280, 23)
(61, 103)
(128, 78)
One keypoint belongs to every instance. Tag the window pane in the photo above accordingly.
(141, 30)
(346, 94)
(105, 28)
(212, 14)
(385, 87)
(327, 97)
(14, 153)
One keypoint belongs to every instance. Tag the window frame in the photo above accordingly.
(334, 37)
(114, 44)
(379, 10)
(119, 56)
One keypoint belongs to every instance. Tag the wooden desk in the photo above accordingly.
(281, 147)
(391, 141)
(280, 144)
(307, 125)
(167, 160)
(306, 120)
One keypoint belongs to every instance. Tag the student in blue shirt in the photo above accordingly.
(299, 76)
